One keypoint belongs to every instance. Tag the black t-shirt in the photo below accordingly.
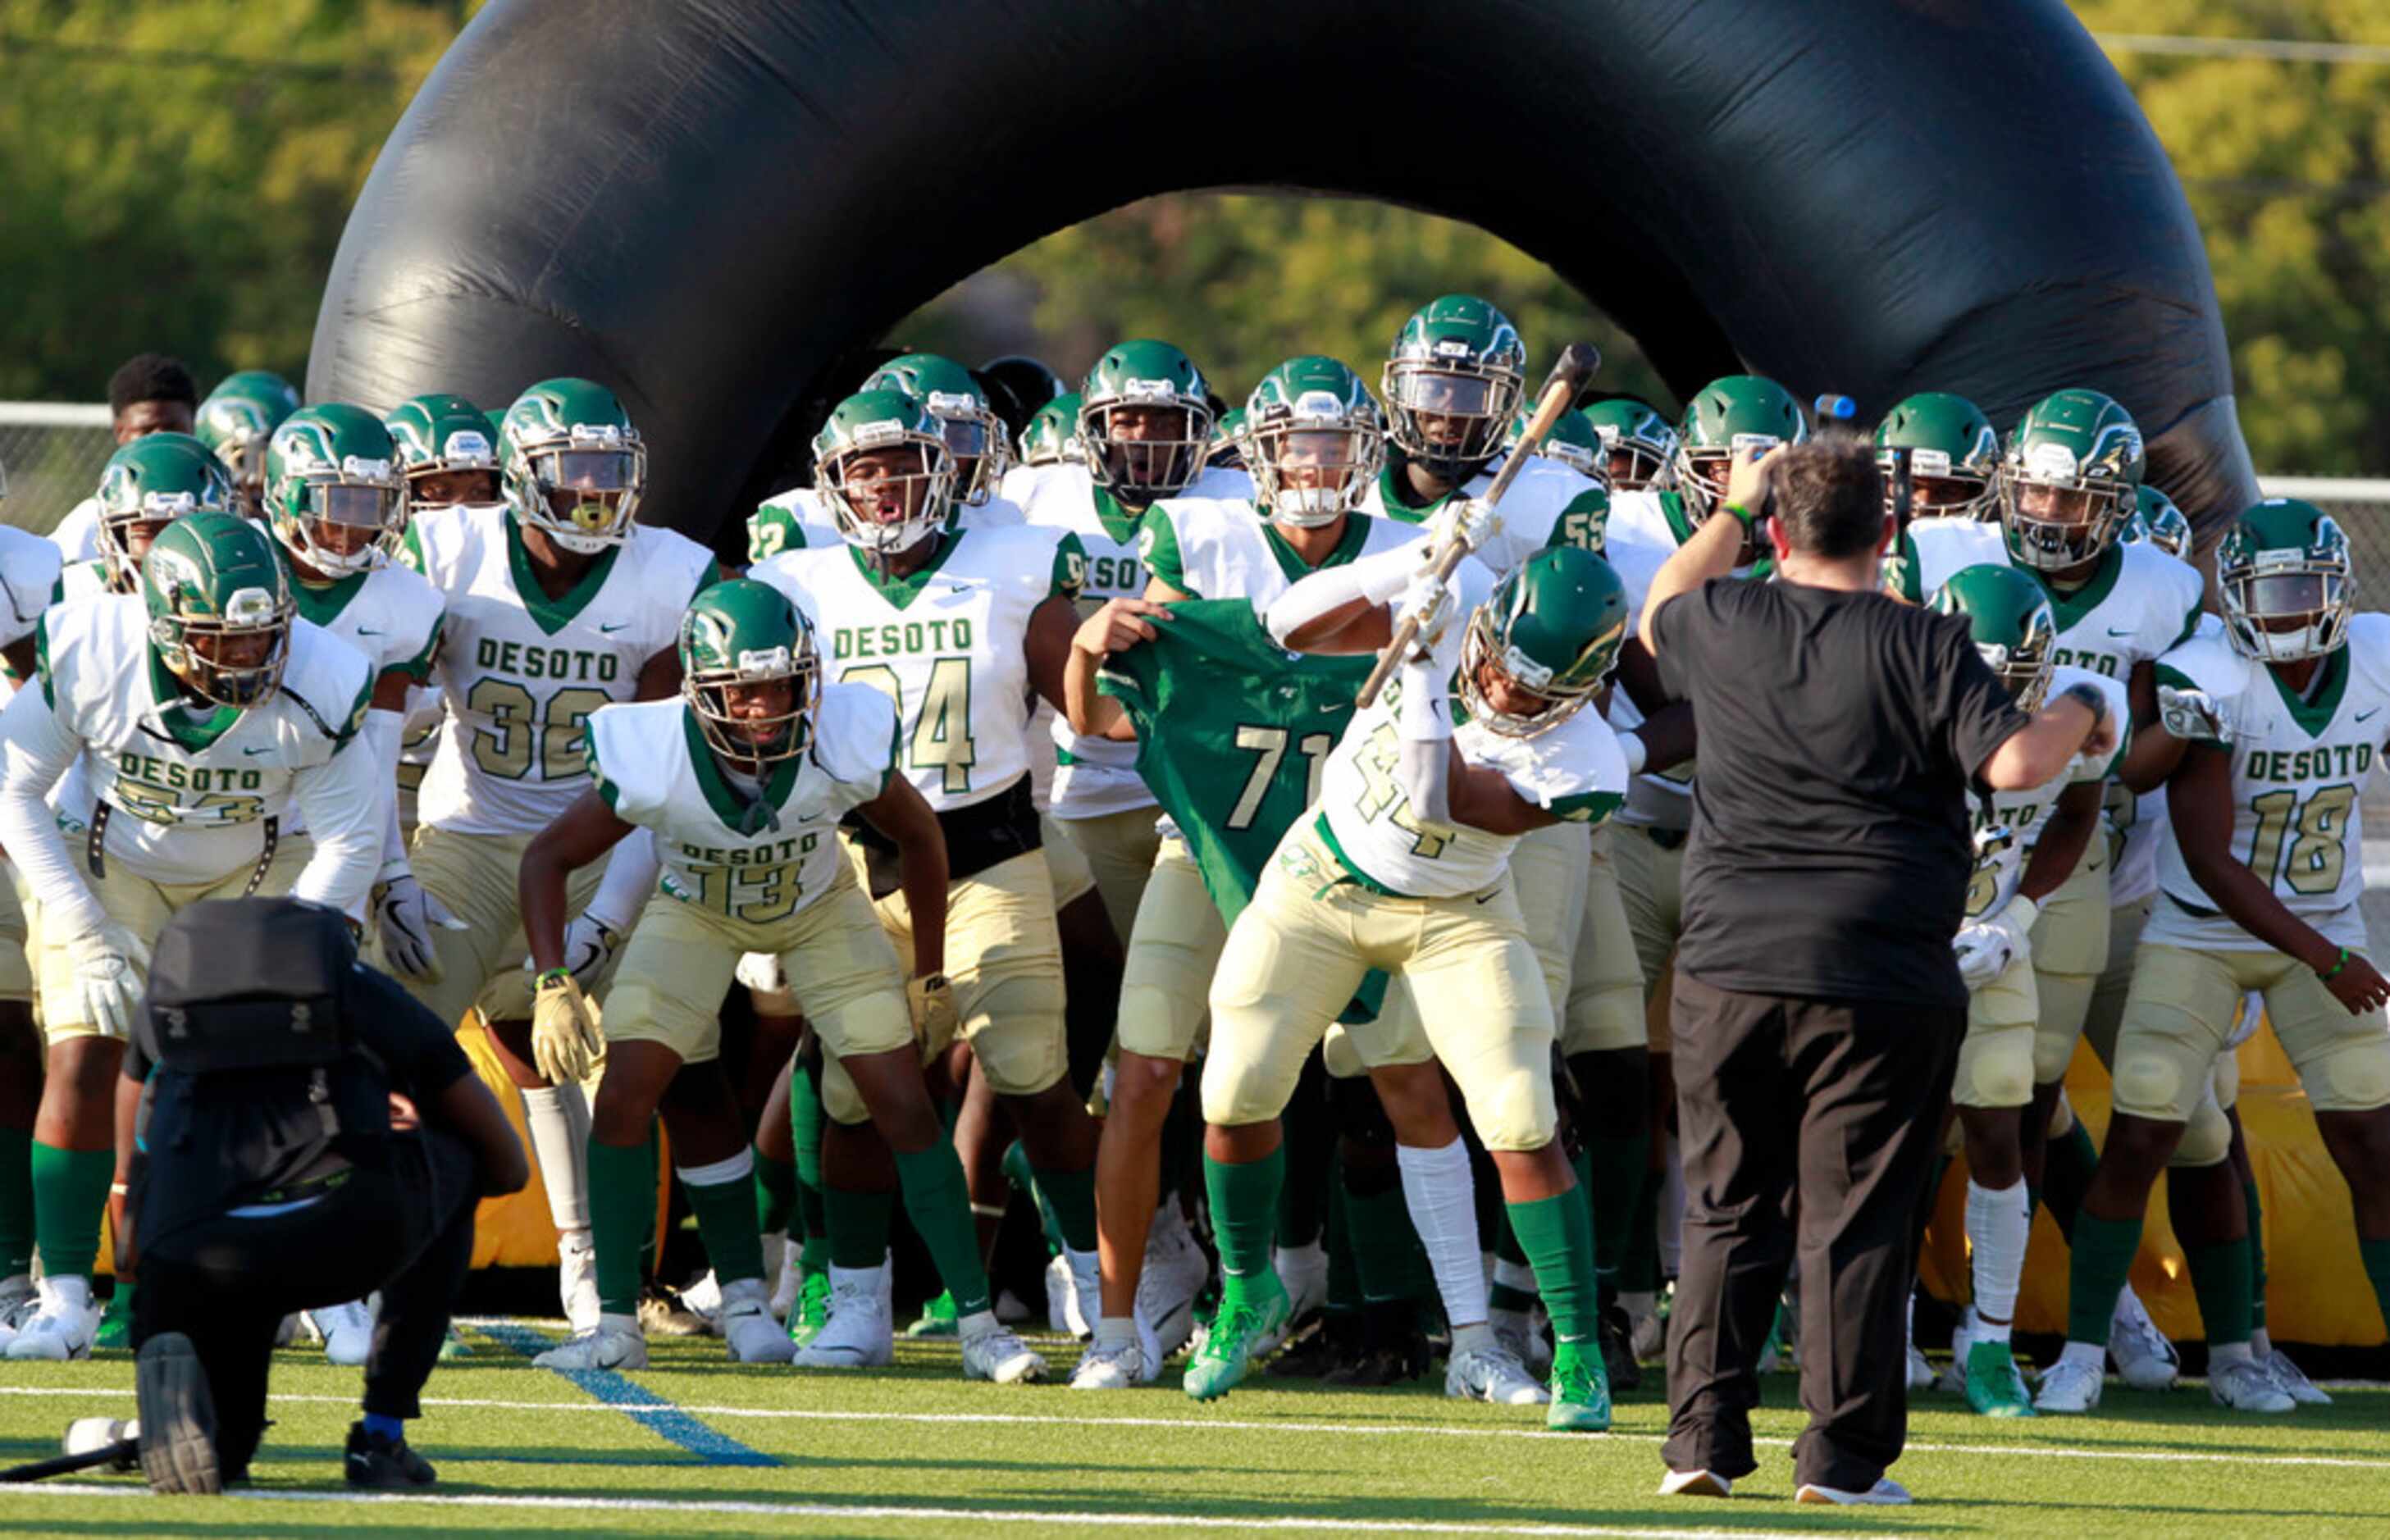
(1840, 735)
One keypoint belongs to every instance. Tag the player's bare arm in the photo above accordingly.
(2068, 833)
(902, 814)
(578, 836)
(1051, 626)
(1484, 798)
(659, 676)
(2153, 753)
(1120, 623)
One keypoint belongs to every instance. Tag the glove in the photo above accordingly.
(762, 972)
(1987, 948)
(405, 914)
(589, 945)
(1428, 598)
(2191, 714)
(565, 1040)
(1466, 519)
(109, 964)
(2252, 1016)
(932, 999)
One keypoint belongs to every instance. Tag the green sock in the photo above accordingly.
(775, 1194)
(806, 1131)
(1612, 1178)
(1244, 1213)
(939, 1205)
(2375, 1254)
(2103, 1255)
(2257, 1254)
(2066, 1171)
(69, 1195)
(621, 1217)
(726, 1222)
(16, 1201)
(2220, 1277)
(1072, 1195)
(1386, 1252)
(1015, 1165)
(858, 1226)
(1344, 1276)
(1557, 1235)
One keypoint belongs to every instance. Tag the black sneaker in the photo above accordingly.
(1618, 1351)
(1331, 1340)
(178, 1417)
(384, 1463)
(1393, 1350)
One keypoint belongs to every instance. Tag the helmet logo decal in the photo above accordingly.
(251, 607)
(1929, 462)
(764, 663)
(1742, 441)
(883, 430)
(1149, 390)
(358, 469)
(1319, 403)
(948, 404)
(2050, 461)
(469, 447)
(1525, 670)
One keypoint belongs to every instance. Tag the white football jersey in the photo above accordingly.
(798, 519)
(2138, 825)
(189, 793)
(2008, 823)
(77, 536)
(391, 613)
(1549, 505)
(949, 644)
(28, 577)
(2138, 601)
(755, 861)
(1575, 770)
(1224, 548)
(2298, 768)
(81, 580)
(521, 673)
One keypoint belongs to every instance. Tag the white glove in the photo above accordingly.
(1431, 599)
(2252, 1016)
(2191, 714)
(109, 963)
(762, 972)
(405, 914)
(1466, 519)
(1987, 948)
(589, 944)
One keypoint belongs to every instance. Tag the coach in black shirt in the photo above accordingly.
(1818, 1005)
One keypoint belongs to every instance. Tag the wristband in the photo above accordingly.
(2091, 700)
(554, 976)
(1636, 751)
(2336, 968)
(1744, 514)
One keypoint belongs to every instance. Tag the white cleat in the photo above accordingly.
(1516, 1331)
(1087, 1290)
(1954, 1379)
(2144, 1359)
(1176, 1271)
(58, 1330)
(1885, 1493)
(776, 1274)
(861, 1333)
(1650, 1338)
(2245, 1385)
(614, 1342)
(576, 1280)
(745, 1321)
(1695, 1483)
(2293, 1379)
(1492, 1375)
(999, 1358)
(2069, 1387)
(1062, 1301)
(704, 1300)
(347, 1332)
(19, 1300)
(287, 1331)
(1303, 1271)
(1112, 1367)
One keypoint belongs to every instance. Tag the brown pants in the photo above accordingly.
(1807, 1127)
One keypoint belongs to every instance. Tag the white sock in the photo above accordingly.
(1472, 1338)
(978, 1324)
(2225, 1353)
(1438, 1190)
(2261, 1343)
(558, 1116)
(2091, 1353)
(1116, 1331)
(66, 1289)
(1999, 1225)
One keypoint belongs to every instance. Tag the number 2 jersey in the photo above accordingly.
(2298, 767)
(521, 673)
(2008, 823)
(754, 860)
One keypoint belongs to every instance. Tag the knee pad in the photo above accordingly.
(2206, 1138)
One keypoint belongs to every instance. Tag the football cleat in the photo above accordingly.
(59, 1331)
(1580, 1391)
(937, 1317)
(859, 1334)
(1001, 1359)
(2293, 1379)
(1953, 1379)
(1617, 1353)
(2068, 1387)
(347, 1330)
(780, 1272)
(2245, 1385)
(1063, 1317)
(19, 1300)
(746, 1324)
(1994, 1386)
(1303, 1271)
(1523, 1339)
(613, 1343)
(810, 1312)
(704, 1300)
(2143, 1357)
(1651, 1338)
(1112, 1367)
(116, 1321)
(1248, 1312)
(576, 1279)
(1176, 1271)
(1087, 1290)
(381, 1463)
(1321, 1349)
(1493, 1375)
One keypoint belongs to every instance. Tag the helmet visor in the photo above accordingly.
(1941, 496)
(344, 505)
(601, 471)
(2287, 595)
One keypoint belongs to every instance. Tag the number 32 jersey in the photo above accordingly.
(521, 674)
(2297, 769)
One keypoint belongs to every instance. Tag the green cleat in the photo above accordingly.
(1580, 1391)
(812, 1313)
(1994, 1386)
(937, 1318)
(1249, 1311)
(116, 1325)
(452, 1346)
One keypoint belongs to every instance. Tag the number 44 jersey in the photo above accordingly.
(521, 673)
(2298, 767)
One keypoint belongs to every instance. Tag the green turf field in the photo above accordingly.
(696, 1446)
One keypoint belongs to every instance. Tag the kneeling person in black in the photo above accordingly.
(302, 1132)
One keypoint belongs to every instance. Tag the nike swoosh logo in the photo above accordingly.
(369, 631)
(265, 750)
(2375, 711)
(1485, 898)
(609, 630)
(2113, 632)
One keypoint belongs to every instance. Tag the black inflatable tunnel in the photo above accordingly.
(704, 202)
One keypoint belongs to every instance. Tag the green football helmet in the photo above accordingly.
(1315, 442)
(974, 433)
(736, 635)
(219, 607)
(155, 479)
(2066, 482)
(1452, 383)
(441, 437)
(1954, 456)
(2013, 624)
(1637, 442)
(573, 465)
(1150, 379)
(238, 419)
(1227, 451)
(2156, 519)
(1551, 630)
(335, 496)
(1571, 442)
(1725, 418)
(1052, 436)
(2283, 569)
(882, 465)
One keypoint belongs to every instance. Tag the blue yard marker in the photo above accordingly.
(642, 1405)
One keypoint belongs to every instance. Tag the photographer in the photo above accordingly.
(302, 1132)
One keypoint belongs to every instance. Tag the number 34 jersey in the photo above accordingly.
(2297, 769)
(521, 674)
(750, 861)
(948, 644)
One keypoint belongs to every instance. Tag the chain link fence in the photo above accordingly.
(52, 452)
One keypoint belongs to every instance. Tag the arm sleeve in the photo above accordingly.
(1379, 578)
(1972, 709)
(342, 801)
(630, 877)
(379, 740)
(35, 750)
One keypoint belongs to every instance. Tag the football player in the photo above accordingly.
(1050, 438)
(957, 625)
(557, 603)
(1638, 447)
(150, 481)
(237, 420)
(1405, 869)
(148, 393)
(2270, 730)
(204, 710)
